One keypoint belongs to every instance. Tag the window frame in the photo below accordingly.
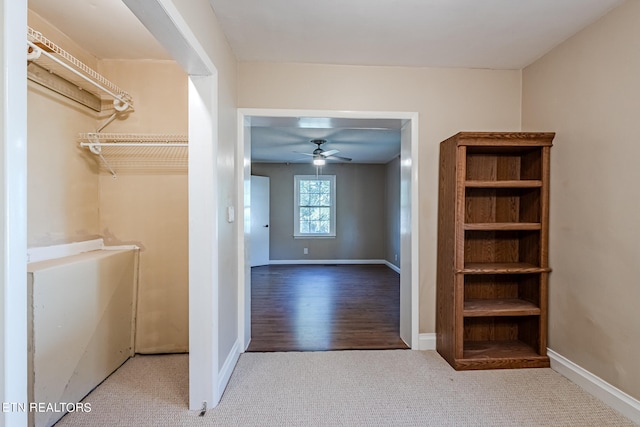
(296, 206)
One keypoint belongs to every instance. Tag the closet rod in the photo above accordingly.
(121, 104)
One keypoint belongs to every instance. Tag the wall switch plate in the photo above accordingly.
(231, 214)
(305, 251)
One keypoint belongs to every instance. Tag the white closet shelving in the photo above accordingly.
(48, 55)
(138, 153)
(118, 152)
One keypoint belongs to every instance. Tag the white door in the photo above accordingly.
(259, 248)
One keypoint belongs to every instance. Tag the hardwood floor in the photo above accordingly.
(324, 307)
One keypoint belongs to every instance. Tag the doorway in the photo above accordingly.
(408, 208)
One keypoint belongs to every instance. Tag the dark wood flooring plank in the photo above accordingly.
(324, 307)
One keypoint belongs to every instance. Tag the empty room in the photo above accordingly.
(450, 234)
(327, 276)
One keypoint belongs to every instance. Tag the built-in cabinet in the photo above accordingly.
(493, 269)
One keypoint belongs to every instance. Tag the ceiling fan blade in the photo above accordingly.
(329, 153)
(344, 159)
(305, 154)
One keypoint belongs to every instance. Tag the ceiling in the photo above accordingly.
(288, 139)
(494, 34)
(105, 28)
(505, 34)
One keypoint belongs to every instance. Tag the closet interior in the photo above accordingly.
(107, 213)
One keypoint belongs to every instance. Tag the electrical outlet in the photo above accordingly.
(305, 251)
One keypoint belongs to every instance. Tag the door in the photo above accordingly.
(259, 249)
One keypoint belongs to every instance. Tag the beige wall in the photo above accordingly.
(62, 192)
(58, 36)
(151, 209)
(448, 101)
(360, 212)
(587, 90)
(159, 92)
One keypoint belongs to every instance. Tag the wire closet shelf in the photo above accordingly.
(138, 153)
(56, 60)
(124, 152)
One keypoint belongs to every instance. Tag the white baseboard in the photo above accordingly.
(228, 367)
(592, 384)
(392, 266)
(327, 261)
(334, 261)
(612, 396)
(427, 341)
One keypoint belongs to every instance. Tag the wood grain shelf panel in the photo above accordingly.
(501, 142)
(503, 226)
(525, 183)
(500, 355)
(499, 350)
(502, 268)
(499, 307)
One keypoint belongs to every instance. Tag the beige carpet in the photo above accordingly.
(346, 388)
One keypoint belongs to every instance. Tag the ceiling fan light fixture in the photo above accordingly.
(319, 161)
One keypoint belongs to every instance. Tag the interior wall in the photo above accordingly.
(392, 207)
(360, 212)
(150, 210)
(204, 24)
(62, 194)
(447, 100)
(58, 36)
(586, 90)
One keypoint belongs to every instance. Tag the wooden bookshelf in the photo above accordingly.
(492, 275)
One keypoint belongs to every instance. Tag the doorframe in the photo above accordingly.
(13, 205)
(207, 380)
(243, 188)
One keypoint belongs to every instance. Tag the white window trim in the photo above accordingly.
(296, 207)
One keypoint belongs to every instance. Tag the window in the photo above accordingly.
(315, 206)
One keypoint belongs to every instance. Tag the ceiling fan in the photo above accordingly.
(320, 156)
